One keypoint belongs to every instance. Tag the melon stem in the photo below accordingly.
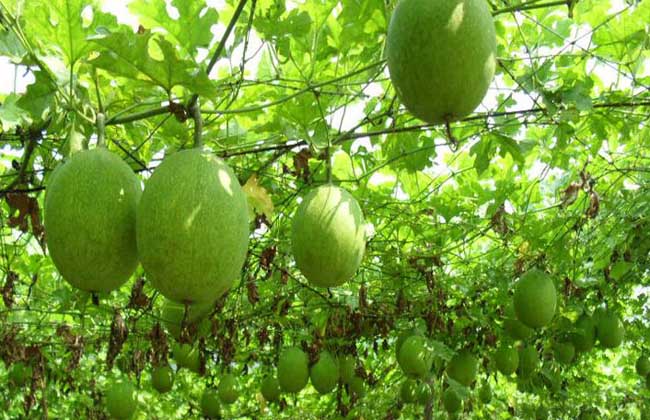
(195, 111)
(101, 124)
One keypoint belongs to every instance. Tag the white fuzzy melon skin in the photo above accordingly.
(192, 227)
(441, 56)
(90, 210)
(328, 236)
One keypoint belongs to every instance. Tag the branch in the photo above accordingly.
(530, 5)
(220, 47)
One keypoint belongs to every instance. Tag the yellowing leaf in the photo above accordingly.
(258, 198)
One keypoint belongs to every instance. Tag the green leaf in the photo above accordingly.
(11, 115)
(190, 30)
(129, 55)
(39, 98)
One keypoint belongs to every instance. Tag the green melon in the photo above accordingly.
(424, 393)
(441, 56)
(516, 329)
(409, 391)
(415, 356)
(120, 400)
(402, 338)
(173, 313)
(90, 220)
(210, 406)
(610, 330)
(535, 299)
(506, 359)
(324, 374)
(451, 401)
(642, 366)
(271, 389)
(162, 379)
(485, 393)
(463, 368)
(187, 356)
(19, 374)
(293, 370)
(348, 366)
(228, 390)
(583, 334)
(528, 362)
(328, 236)
(357, 387)
(564, 352)
(192, 228)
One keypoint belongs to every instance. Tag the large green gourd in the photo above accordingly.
(293, 370)
(535, 299)
(120, 400)
(90, 211)
(324, 374)
(441, 56)
(328, 236)
(463, 368)
(192, 227)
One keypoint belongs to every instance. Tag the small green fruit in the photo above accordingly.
(584, 334)
(517, 330)
(187, 356)
(162, 379)
(348, 366)
(506, 359)
(424, 393)
(564, 352)
(415, 356)
(485, 393)
(541, 413)
(463, 368)
(409, 391)
(293, 370)
(642, 366)
(120, 400)
(325, 373)
(610, 330)
(19, 374)
(535, 299)
(173, 313)
(328, 236)
(357, 387)
(227, 389)
(271, 389)
(528, 362)
(210, 406)
(451, 401)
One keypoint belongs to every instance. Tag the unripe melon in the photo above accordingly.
(162, 379)
(357, 387)
(210, 406)
(227, 389)
(441, 56)
(120, 400)
(535, 299)
(325, 373)
(173, 313)
(415, 356)
(610, 330)
(271, 389)
(528, 362)
(293, 369)
(451, 401)
(516, 329)
(328, 236)
(187, 356)
(485, 393)
(584, 334)
(507, 360)
(564, 352)
(90, 220)
(642, 366)
(424, 393)
(347, 369)
(192, 227)
(409, 391)
(19, 374)
(462, 368)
